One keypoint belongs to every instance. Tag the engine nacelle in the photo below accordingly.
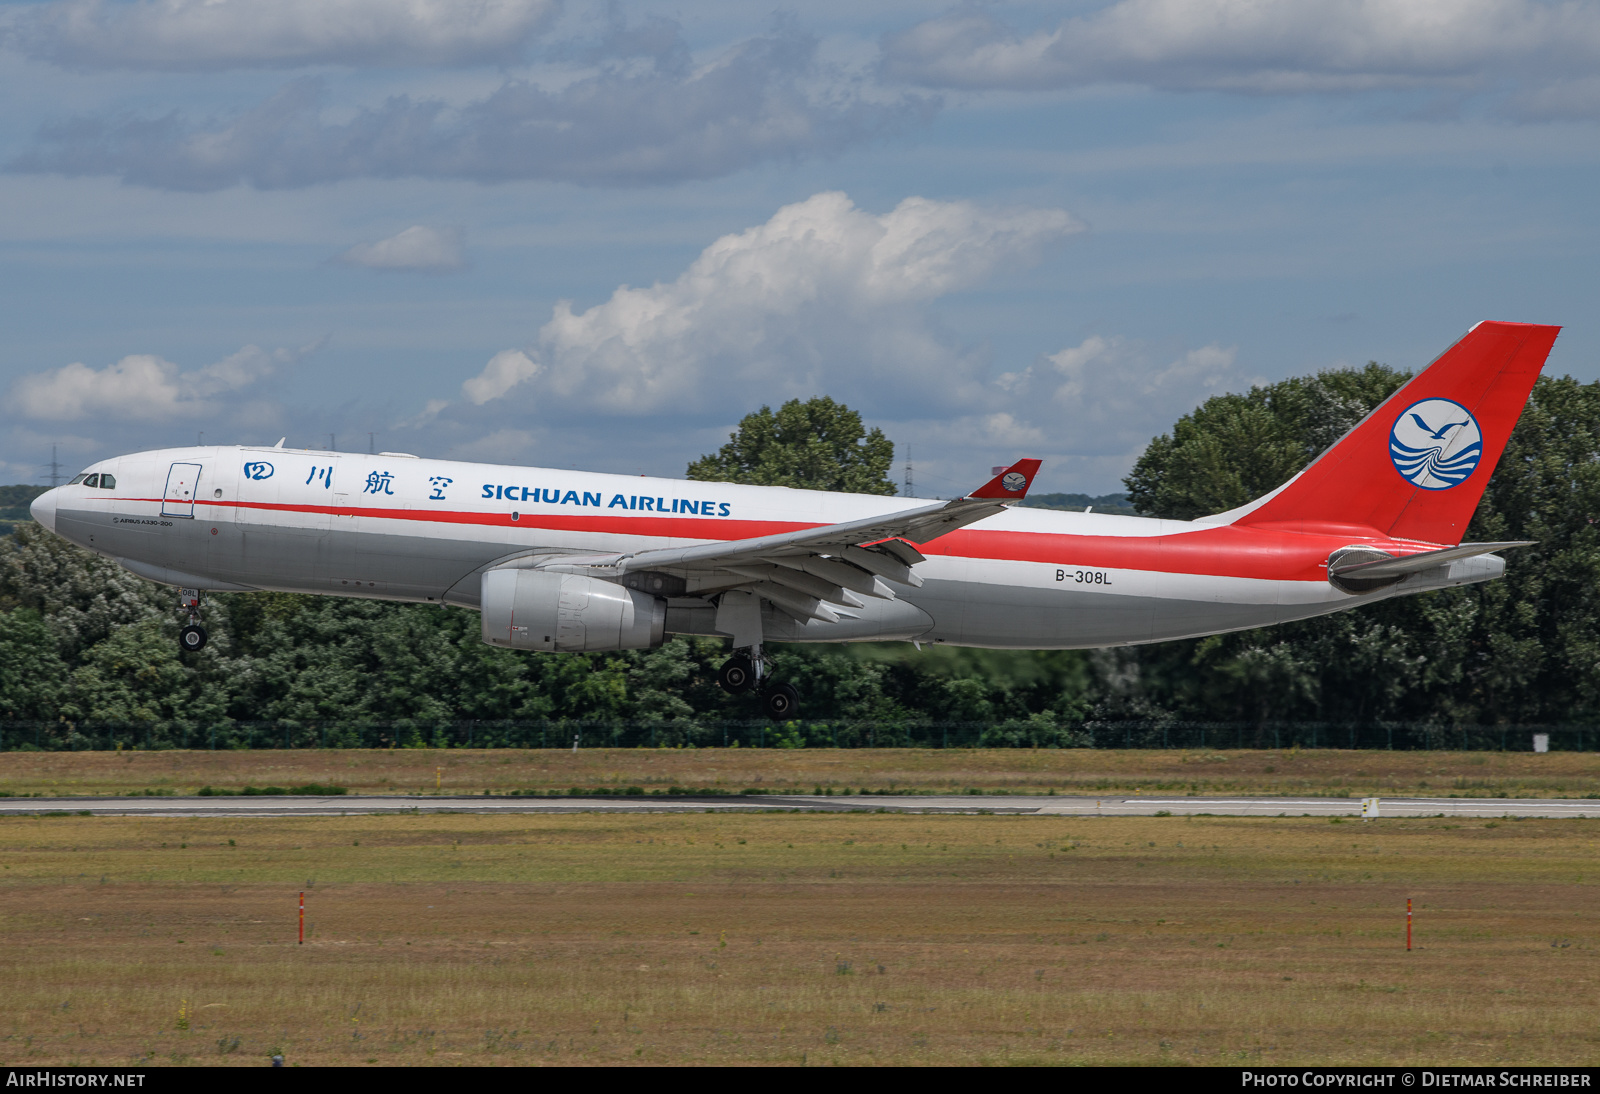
(566, 613)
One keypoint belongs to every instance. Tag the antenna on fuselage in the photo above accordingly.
(280, 442)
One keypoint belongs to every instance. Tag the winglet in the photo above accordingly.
(1011, 484)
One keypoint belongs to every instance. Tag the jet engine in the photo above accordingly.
(567, 613)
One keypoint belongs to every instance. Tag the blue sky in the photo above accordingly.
(595, 235)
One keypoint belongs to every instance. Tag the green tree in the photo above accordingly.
(1524, 649)
(1533, 651)
(814, 445)
(137, 675)
(81, 596)
(30, 671)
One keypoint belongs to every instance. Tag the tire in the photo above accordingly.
(737, 675)
(192, 638)
(782, 701)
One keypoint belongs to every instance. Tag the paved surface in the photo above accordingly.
(289, 806)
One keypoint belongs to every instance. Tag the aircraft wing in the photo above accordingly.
(815, 573)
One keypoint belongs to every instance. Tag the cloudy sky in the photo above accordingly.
(594, 235)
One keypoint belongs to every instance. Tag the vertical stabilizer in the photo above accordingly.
(1416, 467)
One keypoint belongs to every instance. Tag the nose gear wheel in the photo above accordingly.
(192, 638)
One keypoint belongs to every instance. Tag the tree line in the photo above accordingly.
(88, 654)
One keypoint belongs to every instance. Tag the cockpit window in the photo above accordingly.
(92, 480)
(108, 482)
(77, 479)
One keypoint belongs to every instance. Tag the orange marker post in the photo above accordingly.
(1408, 924)
(303, 918)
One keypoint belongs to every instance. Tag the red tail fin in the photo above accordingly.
(1416, 467)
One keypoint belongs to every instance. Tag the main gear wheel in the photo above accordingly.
(781, 701)
(737, 675)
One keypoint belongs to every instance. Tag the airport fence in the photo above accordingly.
(1039, 731)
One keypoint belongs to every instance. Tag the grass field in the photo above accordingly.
(797, 938)
(1087, 771)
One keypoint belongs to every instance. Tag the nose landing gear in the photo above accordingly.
(747, 669)
(192, 638)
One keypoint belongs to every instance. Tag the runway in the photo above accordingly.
(1024, 805)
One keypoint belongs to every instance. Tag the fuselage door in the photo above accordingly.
(182, 480)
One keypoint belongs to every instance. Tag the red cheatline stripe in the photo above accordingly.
(1220, 551)
(671, 527)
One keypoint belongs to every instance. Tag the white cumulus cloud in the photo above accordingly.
(823, 296)
(222, 34)
(1109, 395)
(1264, 46)
(505, 370)
(828, 298)
(1086, 410)
(431, 250)
(142, 386)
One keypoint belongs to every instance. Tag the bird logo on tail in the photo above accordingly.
(1436, 457)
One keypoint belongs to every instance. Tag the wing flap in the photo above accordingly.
(899, 549)
(843, 574)
(797, 604)
(794, 579)
(880, 563)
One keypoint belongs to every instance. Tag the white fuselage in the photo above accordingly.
(403, 528)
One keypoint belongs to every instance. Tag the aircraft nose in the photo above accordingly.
(44, 509)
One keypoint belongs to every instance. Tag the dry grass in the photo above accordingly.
(1087, 771)
(789, 938)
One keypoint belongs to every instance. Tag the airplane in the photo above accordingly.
(567, 561)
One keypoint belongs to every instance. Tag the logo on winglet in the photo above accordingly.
(1015, 482)
(1436, 444)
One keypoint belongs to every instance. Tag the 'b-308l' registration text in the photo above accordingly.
(1084, 577)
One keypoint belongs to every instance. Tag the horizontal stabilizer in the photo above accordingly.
(1427, 560)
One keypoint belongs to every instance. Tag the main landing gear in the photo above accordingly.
(192, 638)
(745, 670)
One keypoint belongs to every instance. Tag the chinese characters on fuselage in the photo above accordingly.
(384, 482)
